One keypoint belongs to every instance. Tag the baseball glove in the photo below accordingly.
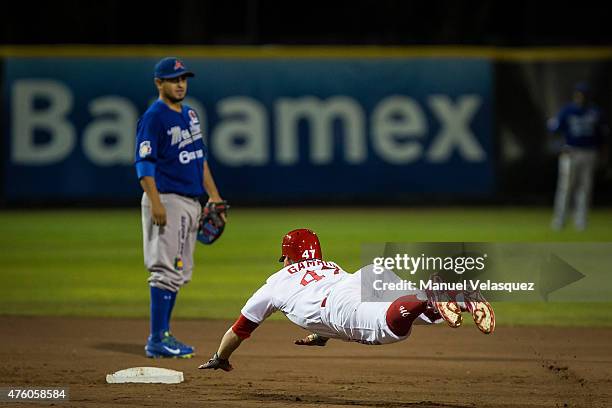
(216, 363)
(312, 340)
(212, 222)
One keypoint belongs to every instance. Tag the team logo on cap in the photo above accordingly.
(178, 64)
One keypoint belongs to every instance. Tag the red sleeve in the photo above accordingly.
(243, 327)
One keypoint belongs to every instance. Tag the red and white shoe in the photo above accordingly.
(481, 310)
(445, 304)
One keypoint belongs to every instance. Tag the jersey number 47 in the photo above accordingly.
(308, 254)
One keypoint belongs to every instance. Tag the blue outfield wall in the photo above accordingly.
(296, 130)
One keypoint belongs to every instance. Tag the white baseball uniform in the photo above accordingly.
(321, 297)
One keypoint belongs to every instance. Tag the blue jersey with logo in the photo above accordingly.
(169, 147)
(581, 126)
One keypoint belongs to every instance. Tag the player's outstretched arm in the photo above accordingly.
(241, 330)
(312, 339)
(220, 360)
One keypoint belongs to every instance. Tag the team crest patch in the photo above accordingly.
(145, 149)
(194, 117)
(178, 64)
(178, 264)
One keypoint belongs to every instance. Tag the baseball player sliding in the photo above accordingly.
(319, 296)
(173, 172)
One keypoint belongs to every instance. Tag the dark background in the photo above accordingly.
(522, 106)
(384, 22)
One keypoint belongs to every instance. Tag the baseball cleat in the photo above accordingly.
(445, 304)
(481, 310)
(167, 347)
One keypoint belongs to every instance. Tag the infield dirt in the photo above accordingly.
(435, 367)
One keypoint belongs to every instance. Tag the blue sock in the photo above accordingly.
(170, 307)
(160, 304)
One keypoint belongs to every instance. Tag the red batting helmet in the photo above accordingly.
(300, 245)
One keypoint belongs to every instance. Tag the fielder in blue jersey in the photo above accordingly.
(581, 125)
(171, 163)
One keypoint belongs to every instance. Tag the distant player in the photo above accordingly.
(321, 297)
(173, 172)
(581, 125)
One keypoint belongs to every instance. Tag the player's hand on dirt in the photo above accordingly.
(312, 340)
(216, 363)
(158, 213)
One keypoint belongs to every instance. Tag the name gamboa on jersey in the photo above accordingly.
(297, 291)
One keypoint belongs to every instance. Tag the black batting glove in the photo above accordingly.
(216, 363)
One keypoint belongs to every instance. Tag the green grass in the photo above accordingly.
(89, 262)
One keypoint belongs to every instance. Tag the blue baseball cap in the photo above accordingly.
(171, 67)
(582, 87)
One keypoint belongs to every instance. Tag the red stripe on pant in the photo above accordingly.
(403, 312)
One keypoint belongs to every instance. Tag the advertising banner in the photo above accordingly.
(294, 130)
